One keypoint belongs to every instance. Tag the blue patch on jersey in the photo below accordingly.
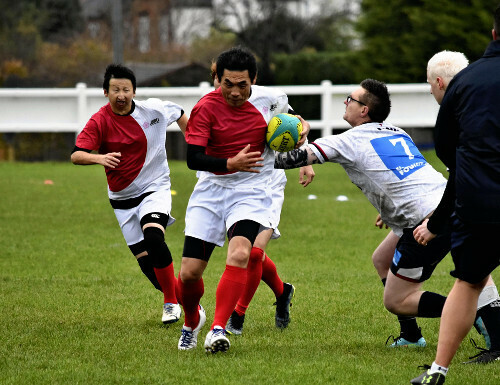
(396, 258)
(399, 154)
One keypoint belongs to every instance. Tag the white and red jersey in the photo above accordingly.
(140, 138)
(225, 130)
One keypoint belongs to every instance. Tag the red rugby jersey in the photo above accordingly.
(140, 138)
(225, 130)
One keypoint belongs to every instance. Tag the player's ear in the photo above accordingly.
(254, 80)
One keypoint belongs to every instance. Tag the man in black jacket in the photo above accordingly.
(467, 140)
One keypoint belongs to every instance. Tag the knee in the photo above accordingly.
(153, 237)
(391, 304)
(154, 240)
(189, 276)
(382, 263)
(376, 262)
(239, 257)
(191, 270)
(256, 255)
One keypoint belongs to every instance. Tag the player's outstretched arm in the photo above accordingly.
(306, 175)
(299, 157)
(111, 159)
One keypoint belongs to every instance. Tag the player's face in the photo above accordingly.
(120, 95)
(236, 87)
(436, 90)
(354, 110)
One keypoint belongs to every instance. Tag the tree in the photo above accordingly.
(82, 60)
(62, 19)
(19, 34)
(39, 44)
(269, 28)
(204, 50)
(400, 36)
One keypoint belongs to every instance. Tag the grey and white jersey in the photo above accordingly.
(385, 164)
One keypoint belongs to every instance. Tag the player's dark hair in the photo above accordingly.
(237, 59)
(117, 71)
(496, 20)
(377, 99)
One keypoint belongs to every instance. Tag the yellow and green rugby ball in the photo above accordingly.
(283, 132)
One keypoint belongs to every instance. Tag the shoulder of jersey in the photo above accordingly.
(271, 94)
(385, 127)
(102, 113)
(212, 95)
(153, 102)
(266, 91)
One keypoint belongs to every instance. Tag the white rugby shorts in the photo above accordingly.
(130, 219)
(278, 197)
(213, 209)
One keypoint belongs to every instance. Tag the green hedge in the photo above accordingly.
(314, 67)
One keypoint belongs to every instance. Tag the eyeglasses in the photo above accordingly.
(349, 98)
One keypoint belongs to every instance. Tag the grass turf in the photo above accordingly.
(77, 310)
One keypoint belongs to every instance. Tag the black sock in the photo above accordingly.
(146, 265)
(409, 328)
(490, 314)
(431, 305)
(408, 325)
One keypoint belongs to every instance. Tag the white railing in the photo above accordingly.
(68, 109)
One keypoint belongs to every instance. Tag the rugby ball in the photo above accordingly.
(283, 132)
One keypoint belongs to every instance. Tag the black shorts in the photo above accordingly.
(474, 250)
(414, 262)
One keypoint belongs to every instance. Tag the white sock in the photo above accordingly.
(488, 295)
(435, 368)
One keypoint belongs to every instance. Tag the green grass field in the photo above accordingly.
(75, 308)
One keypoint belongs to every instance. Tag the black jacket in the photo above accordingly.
(467, 138)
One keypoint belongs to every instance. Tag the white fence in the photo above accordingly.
(68, 109)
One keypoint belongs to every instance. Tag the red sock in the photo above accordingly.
(166, 279)
(254, 275)
(178, 290)
(270, 276)
(190, 294)
(231, 285)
